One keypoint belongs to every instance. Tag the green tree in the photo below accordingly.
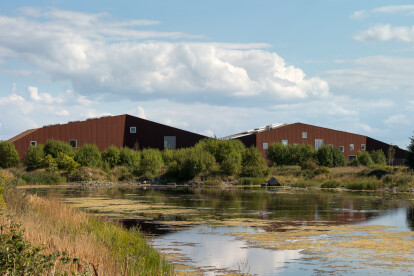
(378, 157)
(53, 147)
(129, 157)
(324, 155)
(89, 156)
(391, 155)
(410, 154)
(364, 158)
(279, 154)
(220, 149)
(9, 157)
(232, 164)
(338, 158)
(66, 163)
(188, 163)
(34, 157)
(253, 163)
(151, 163)
(111, 156)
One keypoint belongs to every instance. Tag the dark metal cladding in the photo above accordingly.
(400, 154)
(151, 135)
(107, 131)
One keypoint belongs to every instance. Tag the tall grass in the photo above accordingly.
(364, 184)
(40, 177)
(107, 247)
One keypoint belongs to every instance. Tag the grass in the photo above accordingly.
(364, 184)
(39, 177)
(251, 181)
(107, 247)
(330, 184)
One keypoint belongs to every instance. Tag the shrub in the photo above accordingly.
(278, 154)
(9, 157)
(53, 147)
(220, 149)
(232, 164)
(338, 158)
(378, 157)
(309, 165)
(291, 154)
(330, 157)
(306, 184)
(187, 163)
(251, 180)
(66, 163)
(364, 158)
(34, 157)
(129, 157)
(111, 156)
(168, 155)
(354, 163)
(50, 163)
(253, 163)
(89, 156)
(151, 163)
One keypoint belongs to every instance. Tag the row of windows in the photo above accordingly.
(318, 144)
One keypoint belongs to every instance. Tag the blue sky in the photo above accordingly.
(212, 67)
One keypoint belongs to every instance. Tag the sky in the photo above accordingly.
(210, 67)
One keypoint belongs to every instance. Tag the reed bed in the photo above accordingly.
(108, 248)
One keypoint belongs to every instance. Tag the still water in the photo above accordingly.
(215, 231)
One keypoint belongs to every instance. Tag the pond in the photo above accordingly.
(256, 231)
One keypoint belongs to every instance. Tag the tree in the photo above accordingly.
(410, 154)
(253, 163)
(9, 157)
(88, 155)
(378, 157)
(53, 147)
(111, 156)
(391, 155)
(34, 157)
(364, 158)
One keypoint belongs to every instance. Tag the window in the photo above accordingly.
(33, 143)
(285, 142)
(132, 129)
(351, 146)
(73, 143)
(342, 148)
(351, 157)
(265, 145)
(318, 143)
(169, 142)
(362, 146)
(304, 135)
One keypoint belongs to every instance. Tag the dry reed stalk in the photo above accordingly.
(51, 225)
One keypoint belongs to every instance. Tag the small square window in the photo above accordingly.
(304, 135)
(362, 146)
(351, 157)
(342, 148)
(73, 143)
(170, 142)
(33, 143)
(133, 129)
(351, 146)
(265, 145)
(285, 142)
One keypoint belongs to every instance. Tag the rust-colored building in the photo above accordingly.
(299, 133)
(123, 130)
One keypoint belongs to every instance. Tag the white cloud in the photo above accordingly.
(362, 14)
(141, 112)
(386, 32)
(397, 119)
(100, 55)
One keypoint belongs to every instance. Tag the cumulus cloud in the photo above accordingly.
(362, 14)
(386, 32)
(101, 55)
(397, 119)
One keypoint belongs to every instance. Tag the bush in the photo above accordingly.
(50, 163)
(253, 163)
(232, 164)
(53, 147)
(168, 155)
(89, 156)
(9, 157)
(309, 165)
(66, 163)
(34, 157)
(378, 157)
(220, 149)
(129, 157)
(151, 163)
(354, 163)
(364, 158)
(283, 155)
(330, 157)
(339, 159)
(111, 156)
(188, 163)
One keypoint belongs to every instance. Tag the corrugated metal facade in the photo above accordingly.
(294, 134)
(107, 131)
